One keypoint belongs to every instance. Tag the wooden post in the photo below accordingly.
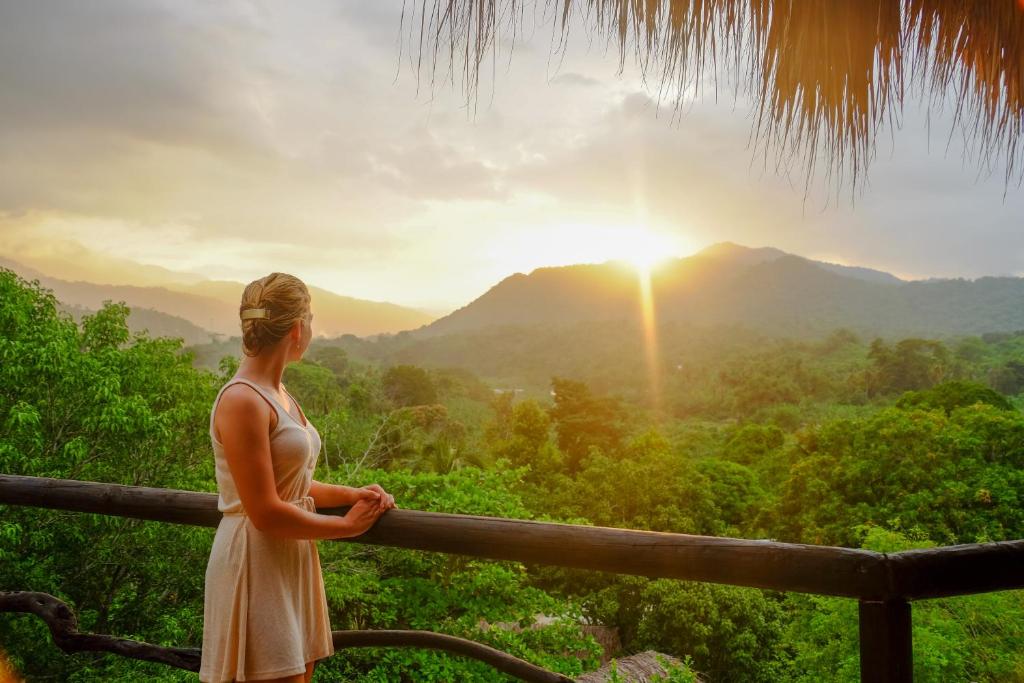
(886, 653)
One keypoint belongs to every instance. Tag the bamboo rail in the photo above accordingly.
(883, 583)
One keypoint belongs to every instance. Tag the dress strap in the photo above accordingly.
(297, 406)
(262, 392)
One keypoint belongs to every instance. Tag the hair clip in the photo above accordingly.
(254, 313)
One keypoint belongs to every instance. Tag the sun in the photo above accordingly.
(645, 249)
(637, 247)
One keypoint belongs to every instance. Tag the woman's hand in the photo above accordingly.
(361, 516)
(374, 492)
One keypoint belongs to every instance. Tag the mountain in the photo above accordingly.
(764, 288)
(213, 305)
(72, 261)
(334, 314)
(155, 323)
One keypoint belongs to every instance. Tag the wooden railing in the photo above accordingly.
(884, 584)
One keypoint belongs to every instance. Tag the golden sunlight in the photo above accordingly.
(573, 243)
(646, 249)
(650, 333)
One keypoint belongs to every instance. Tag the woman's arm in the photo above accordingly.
(336, 495)
(243, 420)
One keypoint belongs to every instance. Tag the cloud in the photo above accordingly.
(921, 214)
(229, 138)
(188, 112)
(137, 71)
(574, 79)
(71, 260)
(429, 169)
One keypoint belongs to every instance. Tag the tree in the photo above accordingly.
(911, 364)
(95, 403)
(732, 633)
(409, 385)
(583, 420)
(392, 588)
(736, 492)
(749, 443)
(334, 358)
(952, 395)
(644, 485)
(314, 386)
(966, 638)
(959, 476)
(1008, 378)
(530, 444)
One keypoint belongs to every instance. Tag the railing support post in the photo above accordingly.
(886, 653)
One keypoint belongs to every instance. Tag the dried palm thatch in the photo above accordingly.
(824, 75)
(645, 666)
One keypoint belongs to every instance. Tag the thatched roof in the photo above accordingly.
(637, 668)
(825, 75)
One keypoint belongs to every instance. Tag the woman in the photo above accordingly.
(265, 611)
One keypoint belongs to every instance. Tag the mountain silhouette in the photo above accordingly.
(213, 306)
(763, 288)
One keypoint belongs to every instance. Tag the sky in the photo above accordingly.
(228, 140)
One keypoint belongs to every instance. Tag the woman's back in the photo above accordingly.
(265, 609)
(293, 448)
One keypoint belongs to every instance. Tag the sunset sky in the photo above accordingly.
(231, 139)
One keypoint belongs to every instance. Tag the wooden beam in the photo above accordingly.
(957, 569)
(63, 626)
(912, 574)
(501, 661)
(886, 654)
(796, 567)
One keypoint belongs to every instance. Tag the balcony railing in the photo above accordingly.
(883, 583)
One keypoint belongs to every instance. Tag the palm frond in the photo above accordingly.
(825, 75)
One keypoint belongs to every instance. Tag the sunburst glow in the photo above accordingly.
(572, 243)
(646, 249)
(647, 316)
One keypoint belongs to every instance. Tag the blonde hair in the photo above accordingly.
(285, 298)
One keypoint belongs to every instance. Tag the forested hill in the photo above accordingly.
(213, 305)
(841, 441)
(765, 289)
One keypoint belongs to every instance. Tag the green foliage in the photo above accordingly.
(751, 443)
(910, 364)
(484, 601)
(732, 633)
(314, 386)
(98, 404)
(1008, 378)
(645, 486)
(959, 476)
(422, 438)
(334, 358)
(408, 385)
(522, 435)
(458, 382)
(951, 395)
(967, 638)
(583, 420)
(799, 441)
(736, 492)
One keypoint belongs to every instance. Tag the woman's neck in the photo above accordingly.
(265, 369)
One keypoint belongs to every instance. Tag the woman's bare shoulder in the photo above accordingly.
(240, 402)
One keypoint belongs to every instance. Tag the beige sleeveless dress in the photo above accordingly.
(265, 610)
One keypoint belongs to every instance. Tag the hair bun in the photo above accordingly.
(276, 301)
